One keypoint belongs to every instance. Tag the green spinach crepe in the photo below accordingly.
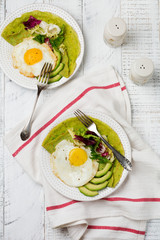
(66, 46)
(63, 132)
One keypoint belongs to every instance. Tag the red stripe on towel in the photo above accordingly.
(117, 229)
(60, 206)
(114, 199)
(123, 88)
(132, 199)
(62, 111)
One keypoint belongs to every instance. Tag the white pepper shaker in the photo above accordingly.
(115, 31)
(141, 70)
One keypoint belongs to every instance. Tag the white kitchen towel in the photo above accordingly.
(123, 214)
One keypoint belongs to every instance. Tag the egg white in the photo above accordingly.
(75, 176)
(32, 70)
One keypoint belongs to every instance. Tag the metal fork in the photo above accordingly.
(88, 123)
(41, 85)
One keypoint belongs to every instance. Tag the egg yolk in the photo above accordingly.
(32, 56)
(77, 156)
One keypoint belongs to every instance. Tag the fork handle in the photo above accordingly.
(122, 159)
(25, 134)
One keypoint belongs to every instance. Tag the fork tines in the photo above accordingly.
(83, 118)
(45, 72)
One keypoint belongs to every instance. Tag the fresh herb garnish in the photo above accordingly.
(91, 140)
(96, 156)
(39, 38)
(57, 41)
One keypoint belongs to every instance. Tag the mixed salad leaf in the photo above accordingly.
(97, 156)
(57, 41)
(99, 151)
(31, 23)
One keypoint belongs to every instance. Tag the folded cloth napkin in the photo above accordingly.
(121, 215)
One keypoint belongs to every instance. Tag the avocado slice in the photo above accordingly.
(97, 187)
(104, 170)
(87, 192)
(111, 181)
(101, 166)
(59, 57)
(58, 69)
(101, 179)
(65, 60)
(55, 79)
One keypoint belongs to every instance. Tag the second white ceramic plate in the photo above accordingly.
(6, 48)
(72, 192)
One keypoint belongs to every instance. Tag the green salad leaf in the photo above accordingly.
(83, 132)
(57, 41)
(94, 154)
(39, 38)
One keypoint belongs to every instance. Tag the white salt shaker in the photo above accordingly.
(141, 70)
(115, 31)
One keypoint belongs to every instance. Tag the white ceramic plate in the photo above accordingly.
(72, 192)
(6, 48)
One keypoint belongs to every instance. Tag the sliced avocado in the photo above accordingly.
(97, 187)
(87, 192)
(104, 170)
(101, 179)
(111, 181)
(58, 69)
(59, 57)
(65, 60)
(101, 166)
(55, 79)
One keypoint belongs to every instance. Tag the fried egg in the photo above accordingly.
(72, 164)
(29, 57)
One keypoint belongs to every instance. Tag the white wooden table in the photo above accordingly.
(22, 210)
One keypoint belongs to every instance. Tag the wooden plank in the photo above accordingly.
(95, 16)
(24, 202)
(143, 39)
(2, 15)
(142, 18)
